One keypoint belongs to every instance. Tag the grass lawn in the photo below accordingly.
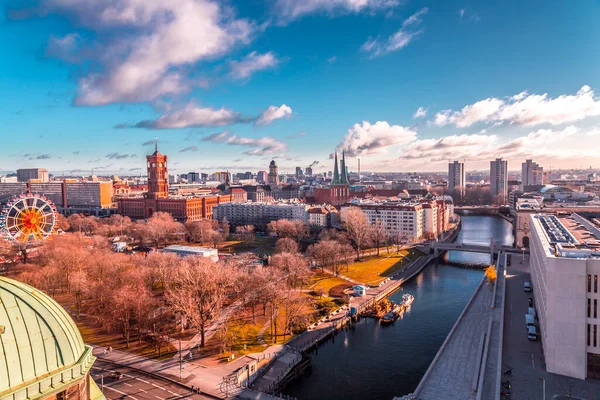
(373, 270)
(326, 282)
(260, 245)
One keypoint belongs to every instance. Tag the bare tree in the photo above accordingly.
(286, 245)
(245, 233)
(379, 234)
(357, 226)
(294, 266)
(199, 290)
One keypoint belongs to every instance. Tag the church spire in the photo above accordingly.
(344, 174)
(336, 172)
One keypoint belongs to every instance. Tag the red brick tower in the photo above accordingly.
(158, 175)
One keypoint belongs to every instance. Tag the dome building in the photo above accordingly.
(42, 354)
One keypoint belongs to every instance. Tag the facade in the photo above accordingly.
(273, 178)
(255, 194)
(259, 214)
(499, 180)
(262, 177)
(322, 216)
(531, 174)
(309, 171)
(43, 355)
(299, 172)
(430, 221)
(157, 199)
(193, 177)
(24, 175)
(239, 195)
(456, 179)
(400, 219)
(565, 269)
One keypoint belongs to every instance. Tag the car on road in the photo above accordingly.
(116, 375)
(530, 302)
(531, 333)
(531, 311)
(527, 286)
(529, 321)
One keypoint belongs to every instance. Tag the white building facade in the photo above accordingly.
(531, 174)
(565, 270)
(259, 214)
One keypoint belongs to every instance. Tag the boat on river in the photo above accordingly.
(393, 314)
(407, 300)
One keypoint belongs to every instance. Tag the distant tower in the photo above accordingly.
(158, 174)
(344, 174)
(456, 179)
(358, 168)
(273, 173)
(499, 179)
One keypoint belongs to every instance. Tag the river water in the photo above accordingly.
(369, 361)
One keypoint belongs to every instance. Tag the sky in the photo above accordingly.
(406, 85)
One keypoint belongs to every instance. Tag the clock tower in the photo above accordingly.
(158, 175)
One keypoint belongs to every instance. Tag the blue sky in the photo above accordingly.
(233, 84)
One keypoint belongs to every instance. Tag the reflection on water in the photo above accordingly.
(370, 361)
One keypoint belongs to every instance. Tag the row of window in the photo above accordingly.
(589, 283)
(589, 308)
(592, 336)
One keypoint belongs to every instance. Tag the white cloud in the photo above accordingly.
(454, 146)
(367, 138)
(525, 109)
(163, 39)
(420, 113)
(252, 63)
(272, 113)
(258, 147)
(193, 115)
(401, 38)
(288, 10)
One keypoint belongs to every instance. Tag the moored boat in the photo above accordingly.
(407, 300)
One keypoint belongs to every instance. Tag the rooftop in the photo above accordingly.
(570, 236)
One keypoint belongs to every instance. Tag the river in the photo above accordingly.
(369, 361)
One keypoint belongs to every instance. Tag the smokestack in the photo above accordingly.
(358, 158)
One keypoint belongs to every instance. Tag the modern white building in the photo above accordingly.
(499, 179)
(531, 174)
(565, 269)
(456, 179)
(184, 251)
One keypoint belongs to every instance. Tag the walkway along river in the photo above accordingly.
(370, 361)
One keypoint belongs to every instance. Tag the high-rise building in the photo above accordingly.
(565, 271)
(298, 172)
(531, 174)
(456, 179)
(309, 171)
(273, 173)
(24, 175)
(193, 177)
(262, 177)
(499, 180)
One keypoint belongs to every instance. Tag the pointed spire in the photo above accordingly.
(156, 144)
(336, 172)
(344, 174)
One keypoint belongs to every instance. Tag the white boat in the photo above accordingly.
(407, 300)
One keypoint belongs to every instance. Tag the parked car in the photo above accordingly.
(529, 321)
(527, 286)
(531, 311)
(531, 333)
(531, 302)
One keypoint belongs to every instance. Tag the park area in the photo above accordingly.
(374, 269)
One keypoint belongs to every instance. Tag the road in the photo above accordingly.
(529, 379)
(135, 385)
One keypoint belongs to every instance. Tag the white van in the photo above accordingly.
(527, 286)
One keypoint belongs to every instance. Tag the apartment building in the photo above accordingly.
(259, 214)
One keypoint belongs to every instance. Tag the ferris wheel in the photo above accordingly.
(28, 218)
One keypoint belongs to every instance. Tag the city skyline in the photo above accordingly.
(395, 89)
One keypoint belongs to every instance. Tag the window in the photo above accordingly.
(588, 334)
(595, 331)
(595, 283)
(595, 308)
(589, 283)
(589, 314)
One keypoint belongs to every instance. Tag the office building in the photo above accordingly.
(299, 172)
(262, 177)
(309, 171)
(499, 180)
(39, 174)
(456, 179)
(565, 269)
(531, 174)
(193, 177)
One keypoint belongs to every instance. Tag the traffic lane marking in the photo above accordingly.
(122, 393)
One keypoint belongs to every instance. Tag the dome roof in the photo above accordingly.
(37, 336)
(273, 163)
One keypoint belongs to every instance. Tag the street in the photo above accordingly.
(529, 379)
(136, 385)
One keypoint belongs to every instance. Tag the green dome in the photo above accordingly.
(38, 339)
